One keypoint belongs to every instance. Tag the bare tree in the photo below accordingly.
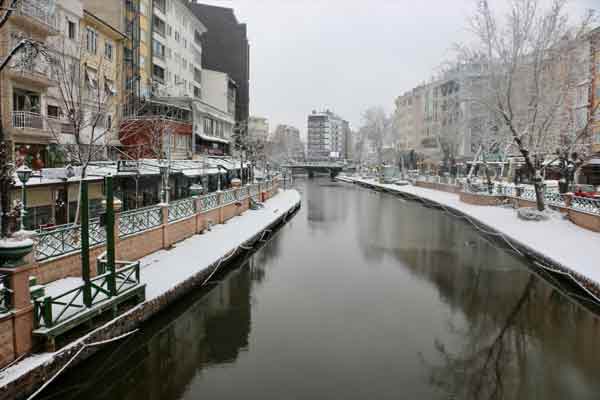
(83, 125)
(532, 75)
(376, 127)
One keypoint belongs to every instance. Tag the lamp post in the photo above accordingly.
(164, 171)
(24, 173)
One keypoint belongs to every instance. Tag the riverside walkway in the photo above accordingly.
(559, 246)
(168, 274)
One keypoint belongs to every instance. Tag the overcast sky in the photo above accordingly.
(346, 55)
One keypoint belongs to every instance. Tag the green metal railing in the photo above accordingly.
(209, 202)
(67, 239)
(139, 220)
(585, 204)
(50, 311)
(181, 209)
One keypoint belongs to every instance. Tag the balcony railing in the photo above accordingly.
(35, 9)
(27, 119)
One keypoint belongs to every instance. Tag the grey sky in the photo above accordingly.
(346, 55)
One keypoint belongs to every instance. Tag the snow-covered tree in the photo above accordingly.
(533, 71)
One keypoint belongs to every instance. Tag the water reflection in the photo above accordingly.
(361, 296)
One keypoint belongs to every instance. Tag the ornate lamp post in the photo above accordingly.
(24, 173)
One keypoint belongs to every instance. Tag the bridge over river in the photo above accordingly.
(333, 168)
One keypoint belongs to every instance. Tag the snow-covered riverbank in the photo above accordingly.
(166, 270)
(572, 248)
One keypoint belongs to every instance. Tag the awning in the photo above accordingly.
(213, 138)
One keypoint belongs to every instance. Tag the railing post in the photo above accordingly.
(47, 311)
(165, 225)
(220, 202)
(85, 245)
(110, 236)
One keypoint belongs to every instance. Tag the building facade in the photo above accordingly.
(225, 48)
(258, 128)
(25, 83)
(327, 133)
(287, 145)
(214, 114)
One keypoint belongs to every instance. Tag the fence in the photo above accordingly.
(50, 311)
(181, 209)
(67, 239)
(585, 204)
(135, 221)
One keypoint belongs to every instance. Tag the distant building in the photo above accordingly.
(327, 136)
(287, 143)
(225, 48)
(214, 114)
(258, 127)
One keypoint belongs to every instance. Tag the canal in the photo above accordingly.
(361, 296)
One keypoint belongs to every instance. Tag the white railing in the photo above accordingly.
(27, 119)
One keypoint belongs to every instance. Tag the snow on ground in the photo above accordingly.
(558, 239)
(165, 269)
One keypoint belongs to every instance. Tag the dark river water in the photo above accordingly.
(361, 296)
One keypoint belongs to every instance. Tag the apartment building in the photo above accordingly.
(258, 128)
(25, 83)
(214, 114)
(327, 133)
(287, 144)
(225, 48)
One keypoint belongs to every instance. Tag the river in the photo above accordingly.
(361, 295)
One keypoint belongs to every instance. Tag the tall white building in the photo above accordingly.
(258, 127)
(327, 136)
(176, 50)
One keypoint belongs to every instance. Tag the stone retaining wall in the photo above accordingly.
(125, 323)
(481, 199)
(438, 186)
(18, 323)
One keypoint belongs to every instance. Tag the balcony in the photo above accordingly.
(27, 119)
(35, 15)
(29, 74)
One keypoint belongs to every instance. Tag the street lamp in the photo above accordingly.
(164, 170)
(24, 173)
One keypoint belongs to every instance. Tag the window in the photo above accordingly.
(177, 36)
(142, 61)
(185, 43)
(91, 78)
(91, 42)
(109, 121)
(169, 30)
(159, 26)
(160, 4)
(158, 73)
(108, 50)
(53, 111)
(71, 30)
(143, 35)
(158, 49)
(197, 38)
